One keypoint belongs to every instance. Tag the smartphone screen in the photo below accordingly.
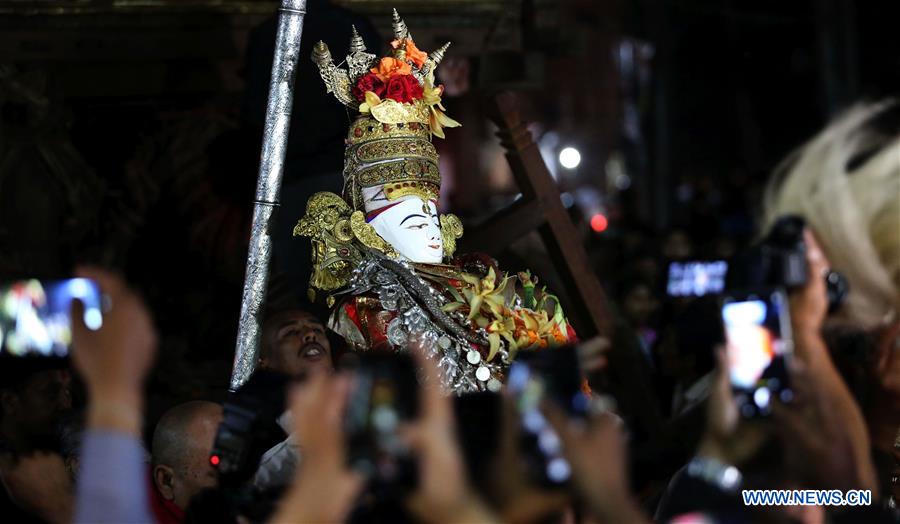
(384, 394)
(35, 315)
(758, 345)
(696, 278)
(551, 374)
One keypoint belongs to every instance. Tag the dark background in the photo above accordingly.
(129, 135)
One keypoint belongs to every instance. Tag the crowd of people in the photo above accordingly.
(680, 453)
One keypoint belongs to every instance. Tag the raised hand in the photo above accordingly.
(728, 437)
(597, 452)
(818, 450)
(883, 414)
(809, 307)
(324, 488)
(444, 494)
(115, 359)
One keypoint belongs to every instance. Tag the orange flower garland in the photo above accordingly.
(390, 91)
(389, 67)
(413, 53)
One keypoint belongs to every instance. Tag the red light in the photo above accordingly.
(599, 223)
(214, 460)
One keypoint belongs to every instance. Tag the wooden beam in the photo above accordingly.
(504, 227)
(559, 235)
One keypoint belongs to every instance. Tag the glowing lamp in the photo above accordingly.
(599, 223)
(569, 158)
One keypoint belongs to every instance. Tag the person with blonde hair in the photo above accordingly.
(846, 183)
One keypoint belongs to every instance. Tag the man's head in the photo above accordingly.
(294, 342)
(638, 302)
(181, 444)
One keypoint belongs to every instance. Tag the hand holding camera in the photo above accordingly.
(810, 302)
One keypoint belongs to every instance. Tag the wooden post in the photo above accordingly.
(541, 209)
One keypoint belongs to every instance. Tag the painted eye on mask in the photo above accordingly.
(417, 226)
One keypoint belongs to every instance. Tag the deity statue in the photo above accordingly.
(384, 258)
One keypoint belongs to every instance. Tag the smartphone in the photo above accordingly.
(554, 375)
(696, 278)
(35, 315)
(384, 394)
(759, 346)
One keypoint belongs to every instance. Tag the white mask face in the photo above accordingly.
(413, 229)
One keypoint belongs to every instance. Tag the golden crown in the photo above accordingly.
(389, 144)
(399, 157)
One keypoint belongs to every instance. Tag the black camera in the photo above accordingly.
(779, 260)
(249, 427)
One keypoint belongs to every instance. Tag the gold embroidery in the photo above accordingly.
(366, 129)
(396, 148)
(334, 230)
(451, 229)
(392, 112)
(327, 224)
(424, 190)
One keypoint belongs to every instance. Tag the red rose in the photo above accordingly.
(404, 89)
(368, 82)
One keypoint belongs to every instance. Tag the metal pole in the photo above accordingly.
(268, 187)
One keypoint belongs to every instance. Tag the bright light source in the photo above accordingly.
(761, 396)
(599, 223)
(214, 460)
(569, 158)
(558, 470)
(93, 319)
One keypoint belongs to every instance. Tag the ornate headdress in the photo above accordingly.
(389, 144)
(388, 148)
(473, 321)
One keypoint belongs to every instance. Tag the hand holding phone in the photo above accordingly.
(35, 315)
(384, 394)
(443, 492)
(551, 375)
(728, 437)
(758, 349)
(324, 489)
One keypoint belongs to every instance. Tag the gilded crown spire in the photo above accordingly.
(438, 54)
(358, 61)
(397, 89)
(321, 53)
(431, 63)
(357, 45)
(400, 30)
